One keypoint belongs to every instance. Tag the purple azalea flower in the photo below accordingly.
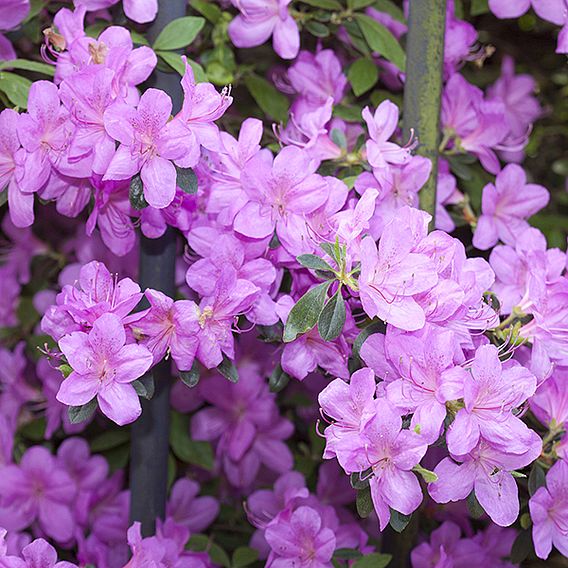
(490, 393)
(37, 554)
(202, 105)
(487, 471)
(316, 77)
(96, 293)
(505, 207)
(350, 406)
(20, 203)
(549, 512)
(38, 489)
(169, 328)
(216, 314)
(392, 274)
(12, 12)
(187, 509)
(300, 540)
(140, 11)
(260, 19)
(281, 193)
(149, 145)
(103, 366)
(390, 453)
(381, 153)
(425, 361)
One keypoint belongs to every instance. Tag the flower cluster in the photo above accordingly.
(336, 349)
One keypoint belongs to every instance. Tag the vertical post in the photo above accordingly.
(150, 433)
(423, 86)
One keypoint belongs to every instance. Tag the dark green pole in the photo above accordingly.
(150, 433)
(423, 86)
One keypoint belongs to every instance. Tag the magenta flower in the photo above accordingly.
(300, 541)
(490, 393)
(169, 328)
(149, 145)
(187, 509)
(505, 207)
(350, 406)
(96, 292)
(390, 453)
(87, 95)
(216, 315)
(281, 193)
(392, 274)
(12, 12)
(20, 203)
(140, 11)
(549, 512)
(260, 19)
(381, 153)
(487, 471)
(38, 489)
(202, 106)
(103, 366)
(37, 554)
(425, 361)
(44, 132)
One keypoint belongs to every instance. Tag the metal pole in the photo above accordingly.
(423, 86)
(150, 433)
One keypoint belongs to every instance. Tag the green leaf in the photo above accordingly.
(206, 8)
(34, 430)
(185, 449)
(427, 475)
(136, 193)
(16, 88)
(190, 378)
(390, 8)
(228, 370)
(479, 7)
(398, 521)
(349, 114)
(3, 196)
(138, 39)
(186, 180)
(537, 478)
(474, 507)
(203, 543)
(360, 479)
(364, 502)
(325, 4)
(278, 379)
(371, 329)
(65, 369)
(110, 439)
(144, 386)
(522, 547)
(304, 315)
(381, 41)
(359, 4)
(332, 317)
(270, 101)
(36, 6)
(317, 29)
(373, 560)
(244, 556)
(81, 413)
(338, 138)
(347, 554)
(179, 33)
(363, 74)
(26, 65)
(314, 262)
(331, 250)
(175, 61)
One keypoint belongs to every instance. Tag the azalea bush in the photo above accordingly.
(355, 381)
